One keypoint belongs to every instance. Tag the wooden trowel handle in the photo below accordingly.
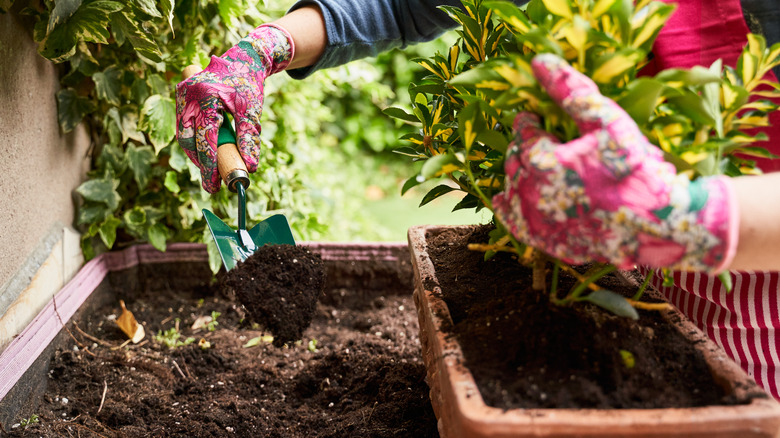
(231, 166)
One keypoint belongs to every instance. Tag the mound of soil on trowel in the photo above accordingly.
(279, 285)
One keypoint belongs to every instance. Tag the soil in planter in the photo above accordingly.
(279, 286)
(357, 373)
(525, 352)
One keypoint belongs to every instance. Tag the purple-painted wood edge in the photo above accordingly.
(30, 343)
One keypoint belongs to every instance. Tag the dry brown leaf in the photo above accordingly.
(129, 325)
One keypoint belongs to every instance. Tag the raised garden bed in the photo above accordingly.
(503, 362)
(364, 377)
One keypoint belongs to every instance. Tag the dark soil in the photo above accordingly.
(279, 286)
(363, 378)
(525, 352)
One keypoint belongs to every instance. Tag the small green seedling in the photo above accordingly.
(267, 339)
(30, 421)
(170, 337)
(628, 359)
(313, 345)
(211, 326)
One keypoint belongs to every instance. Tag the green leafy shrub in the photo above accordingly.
(120, 62)
(465, 107)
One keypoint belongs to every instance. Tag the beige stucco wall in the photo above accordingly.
(39, 167)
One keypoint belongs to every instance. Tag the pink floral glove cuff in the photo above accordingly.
(234, 83)
(609, 195)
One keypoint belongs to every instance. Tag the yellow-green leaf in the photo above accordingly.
(614, 67)
(559, 7)
(749, 67)
(648, 29)
(601, 7)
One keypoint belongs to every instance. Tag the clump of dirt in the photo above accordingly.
(279, 285)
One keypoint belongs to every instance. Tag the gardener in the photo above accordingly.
(616, 200)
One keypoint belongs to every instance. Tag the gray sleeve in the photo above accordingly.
(362, 28)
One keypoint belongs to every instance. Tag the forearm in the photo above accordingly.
(355, 29)
(307, 28)
(758, 198)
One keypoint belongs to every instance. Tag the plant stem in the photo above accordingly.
(554, 286)
(575, 294)
(642, 288)
(539, 281)
(649, 306)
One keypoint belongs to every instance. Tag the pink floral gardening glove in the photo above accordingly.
(232, 82)
(609, 196)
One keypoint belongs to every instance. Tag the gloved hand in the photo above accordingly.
(232, 82)
(609, 196)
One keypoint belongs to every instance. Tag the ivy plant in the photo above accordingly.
(120, 62)
(699, 117)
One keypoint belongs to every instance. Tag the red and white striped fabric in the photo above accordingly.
(742, 322)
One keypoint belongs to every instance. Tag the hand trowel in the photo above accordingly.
(236, 245)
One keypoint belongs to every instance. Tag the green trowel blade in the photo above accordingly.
(273, 231)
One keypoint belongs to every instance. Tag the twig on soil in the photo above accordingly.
(59, 317)
(92, 338)
(121, 345)
(372, 412)
(179, 370)
(186, 368)
(103, 399)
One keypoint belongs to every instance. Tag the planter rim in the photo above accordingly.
(25, 348)
(472, 414)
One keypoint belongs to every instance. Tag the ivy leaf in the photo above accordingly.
(139, 38)
(229, 10)
(135, 220)
(158, 234)
(112, 156)
(63, 10)
(148, 7)
(139, 91)
(71, 108)
(171, 182)
(108, 84)
(107, 230)
(101, 190)
(158, 119)
(167, 7)
(92, 214)
(140, 160)
(67, 27)
(613, 302)
(129, 123)
(178, 160)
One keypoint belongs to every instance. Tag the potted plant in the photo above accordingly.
(698, 117)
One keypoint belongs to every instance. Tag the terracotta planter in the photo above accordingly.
(461, 411)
